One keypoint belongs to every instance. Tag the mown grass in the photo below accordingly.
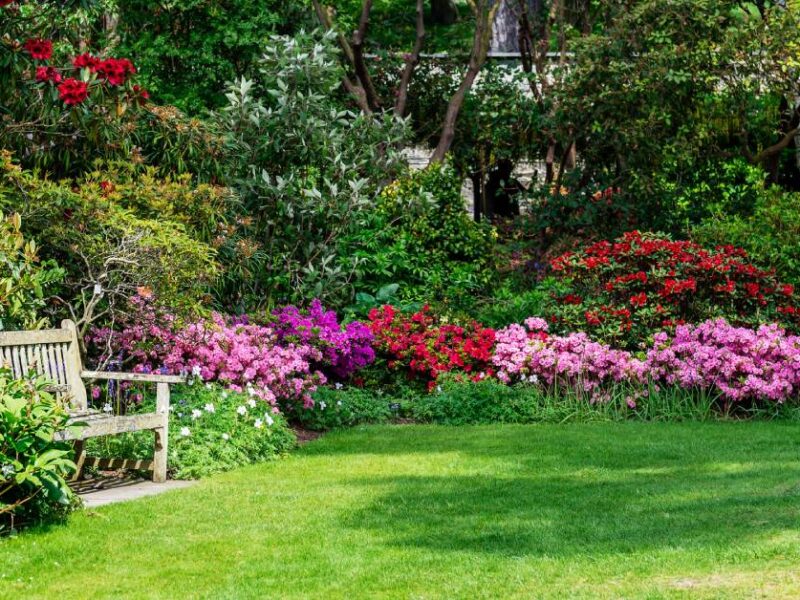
(598, 510)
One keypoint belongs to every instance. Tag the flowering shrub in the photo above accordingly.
(742, 363)
(626, 290)
(344, 350)
(428, 347)
(528, 354)
(736, 362)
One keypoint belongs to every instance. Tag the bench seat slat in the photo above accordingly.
(112, 425)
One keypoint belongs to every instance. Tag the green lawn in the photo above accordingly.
(594, 510)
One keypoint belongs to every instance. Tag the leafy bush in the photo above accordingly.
(24, 280)
(344, 408)
(211, 430)
(307, 171)
(33, 466)
(112, 235)
(770, 233)
(626, 290)
(189, 50)
(421, 238)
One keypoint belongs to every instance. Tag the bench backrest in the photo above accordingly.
(53, 353)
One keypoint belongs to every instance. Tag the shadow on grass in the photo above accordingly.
(596, 494)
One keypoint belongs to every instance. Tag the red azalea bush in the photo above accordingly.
(626, 290)
(427, 347)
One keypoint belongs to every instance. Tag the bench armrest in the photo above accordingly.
(142, 377)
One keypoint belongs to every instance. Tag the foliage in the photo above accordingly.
(308, 171)
(115, 233)
(188, 50)
(24, 279)
(335, 408)
(211, 429)
(32, 464)
(421, 238)
(489, 401)
(667, 88)
(625, 290)
(770, 233)
(425, 346)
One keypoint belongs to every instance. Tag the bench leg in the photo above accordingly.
(80, 458)
(160, 455)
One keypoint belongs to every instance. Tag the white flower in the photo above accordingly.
(172, 408)
(251, 403)
(439, 389)
(258, 424)
(209, 408)
(338, 403)
(338, 385)
(185, 432)
(7, 470)
(224, 394)
(208, 386)
(322, 405)
(242, 410)
(180, 415)
(107, 408)
(226, 437)
(269, 420)
(196, 371)
(196, 414)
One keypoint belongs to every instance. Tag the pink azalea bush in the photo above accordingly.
(528, 354)
(742, 363)
(737, 362)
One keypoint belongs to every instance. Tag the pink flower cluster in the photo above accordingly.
(530, 354)
(246, 357)
(739, 363)
(742, 363)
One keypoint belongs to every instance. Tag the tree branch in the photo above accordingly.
(359, 35)
(480, 46)
(412, 60)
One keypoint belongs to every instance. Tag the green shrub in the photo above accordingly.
(207, 433)
(24, 279)
(770, 235)
(489, 401)
(344, 408)
(33, 466)
(115, 234)
(421, 237)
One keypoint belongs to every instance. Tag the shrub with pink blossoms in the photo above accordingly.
(344, 350)
(742, 363)
(528, 354)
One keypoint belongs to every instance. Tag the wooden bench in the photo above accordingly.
(55, 354)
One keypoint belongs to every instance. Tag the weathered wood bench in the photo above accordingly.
(55, 354)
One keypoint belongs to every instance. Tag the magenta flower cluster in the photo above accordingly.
(344, 350)
(737, 362)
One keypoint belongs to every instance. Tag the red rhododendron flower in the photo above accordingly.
(115, 70)
(85, 61)
(48, 74)
(639, 300)
(39, 49)
(72, 91)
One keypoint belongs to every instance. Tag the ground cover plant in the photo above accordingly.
(591, 510)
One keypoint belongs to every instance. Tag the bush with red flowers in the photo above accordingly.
(625, 290)
(425, 347)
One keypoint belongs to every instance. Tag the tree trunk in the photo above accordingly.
(444, 12)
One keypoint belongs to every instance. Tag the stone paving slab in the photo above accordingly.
(124, 490)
